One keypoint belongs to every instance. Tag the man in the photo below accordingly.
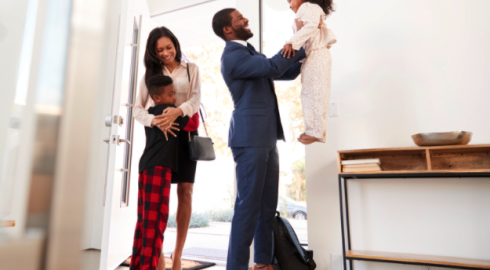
(254, 130)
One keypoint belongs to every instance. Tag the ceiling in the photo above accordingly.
(162, 6)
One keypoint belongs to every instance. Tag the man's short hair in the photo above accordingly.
(221, 20)
(157, 83)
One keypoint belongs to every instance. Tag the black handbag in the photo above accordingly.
(200, 148)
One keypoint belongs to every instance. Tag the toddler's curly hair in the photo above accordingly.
(326, 5)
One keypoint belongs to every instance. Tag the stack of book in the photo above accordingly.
(361, 165)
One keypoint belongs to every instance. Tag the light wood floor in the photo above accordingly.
(91, 260)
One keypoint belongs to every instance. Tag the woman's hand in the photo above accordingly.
(161, 121)
(287, 50)
(170, 114)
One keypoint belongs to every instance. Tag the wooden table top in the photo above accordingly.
(419, 259)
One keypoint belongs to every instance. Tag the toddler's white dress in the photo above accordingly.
(316, 69)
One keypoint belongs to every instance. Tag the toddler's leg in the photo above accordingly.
(315, 96)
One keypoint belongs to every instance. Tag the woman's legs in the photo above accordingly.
(184, 211)
(161, 262)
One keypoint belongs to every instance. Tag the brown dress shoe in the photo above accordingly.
(267, 267)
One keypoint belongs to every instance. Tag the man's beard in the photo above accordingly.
(242, 34)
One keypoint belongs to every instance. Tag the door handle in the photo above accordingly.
(122, 141)
(111, 140)
(113, 119)
(116, 140)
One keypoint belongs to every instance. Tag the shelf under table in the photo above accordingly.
(429, 260)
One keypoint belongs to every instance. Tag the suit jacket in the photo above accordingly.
(249, 76)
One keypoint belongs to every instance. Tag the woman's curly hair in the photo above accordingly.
(326, 5)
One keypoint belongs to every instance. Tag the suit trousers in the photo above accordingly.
(257, 176)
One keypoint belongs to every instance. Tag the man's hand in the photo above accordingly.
(287, 50)
(322, 23)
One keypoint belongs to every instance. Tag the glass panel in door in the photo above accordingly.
(129, 119)
(277, 21)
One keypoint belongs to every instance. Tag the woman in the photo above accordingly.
(163, 55)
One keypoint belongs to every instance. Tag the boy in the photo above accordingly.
(158, 161)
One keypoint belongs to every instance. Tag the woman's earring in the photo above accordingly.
(160, 62)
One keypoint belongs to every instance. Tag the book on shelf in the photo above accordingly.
(361, 161)
(370, 168)
(360, 165)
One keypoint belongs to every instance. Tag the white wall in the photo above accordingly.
(12, 21)
(400, 68)
(193, 25)
(164, 6)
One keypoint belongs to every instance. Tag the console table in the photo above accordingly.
(413, 162)
(7, 223)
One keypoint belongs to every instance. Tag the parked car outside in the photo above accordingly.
(294, 209)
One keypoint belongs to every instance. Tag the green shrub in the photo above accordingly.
(171, 223)
(222, 215)
(198, 220)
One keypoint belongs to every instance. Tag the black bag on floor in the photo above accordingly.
(288, 252)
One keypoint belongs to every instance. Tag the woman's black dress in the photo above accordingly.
(186, 168)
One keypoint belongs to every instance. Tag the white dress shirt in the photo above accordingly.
(188, 93)
(243, 42)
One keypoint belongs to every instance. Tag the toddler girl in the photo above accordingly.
(316, 69)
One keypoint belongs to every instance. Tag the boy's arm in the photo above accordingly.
(182, 121)
(192, 124)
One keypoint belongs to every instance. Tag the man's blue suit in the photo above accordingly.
(255, 129)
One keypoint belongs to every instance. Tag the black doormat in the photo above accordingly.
(186, 264)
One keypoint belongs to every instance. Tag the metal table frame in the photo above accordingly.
(344, 211)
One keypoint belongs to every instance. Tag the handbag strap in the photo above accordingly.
(200, 111)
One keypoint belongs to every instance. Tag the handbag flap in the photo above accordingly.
(201, 148)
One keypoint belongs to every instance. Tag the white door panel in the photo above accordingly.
(121, 185)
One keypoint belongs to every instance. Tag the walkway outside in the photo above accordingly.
(212, 242)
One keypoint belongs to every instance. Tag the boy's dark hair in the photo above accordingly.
(157, 83)
(221, 20)
(326, 5)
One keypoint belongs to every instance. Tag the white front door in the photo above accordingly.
(120, 188)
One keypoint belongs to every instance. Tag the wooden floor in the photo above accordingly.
(91, 260)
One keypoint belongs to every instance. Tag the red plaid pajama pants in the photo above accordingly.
(153, 199)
